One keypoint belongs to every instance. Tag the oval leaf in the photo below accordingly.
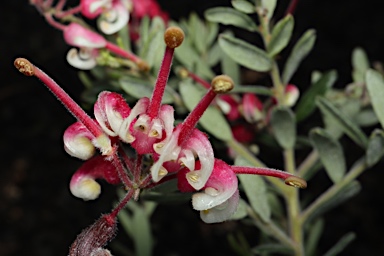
(284, 126)
(375, 86)
(139, 90)
(270, 6)
(212, 120)
(256, 191)
(375, 148)
(230, 16)
(243, 6)
(299, 52)
(306, 104)
(245, 54)
(330, 152)
(345, 123)
(281, 34)
(360, 64)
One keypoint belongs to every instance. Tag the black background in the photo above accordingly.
(38, 216)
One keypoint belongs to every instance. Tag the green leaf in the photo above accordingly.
(212, 120)
(341, 244)
(375, 86)
(243, 6)
(214, 55)
(314, 235)
(347, 192)
(284, 126)
(241, 211)
(138, 227)
(345, 123)
(281, 34)
(306, 104)
(272, 249)
(360, 64)
(270, 6)
(366, 117)
(299, 52)
(230, 68)
(375, 148)
(256, 191)
(230, 16)
(330, 152)
(245, 54)
(139, 89)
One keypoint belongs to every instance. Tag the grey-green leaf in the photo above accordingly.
(330, 152)
(375, 148)
(256, 191)
(343, 121)
(306, 104)
(270, 6)
(375, 86)
(212, 120)
(299, 52)
(281, 34)
(243, 6)
(314, 234)
(139, 89)
(245, 54)
(360, 64)
(341, 244)
(284, 126)
(241, 211)
(230, 16)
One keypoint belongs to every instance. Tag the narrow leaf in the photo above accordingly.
(245, 54)
(212, 120)
(281, 34)
(243, 6)
(306, 104)
(345, 123)
(270, 6)
(360, 64)
(375, 148)
(343, 195)
(330, 152)
(341, 244)
(314, 234)
(230, 16)
(375, 86)
(256, 191)
(299, 52)
(284, 126)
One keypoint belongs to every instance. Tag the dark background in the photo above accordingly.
(38, 216)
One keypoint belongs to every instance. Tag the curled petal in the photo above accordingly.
(110, 110)
(140, 108)
(84, 59)
(145, 136)
(200, 145)
(169, 151)
(221, 185)
(78, 141)
(114, 19)
(93, 8)
(77, 35)
(85, 187)
(167, 118)
(221, 212)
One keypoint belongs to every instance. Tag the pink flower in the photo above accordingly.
(114, 14)
(252, 108)
(89, 43)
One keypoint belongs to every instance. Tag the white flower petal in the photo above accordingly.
(82, 60)
(114, 19)
(221, 212)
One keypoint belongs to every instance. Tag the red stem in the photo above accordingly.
(122, 203)
(117, 50)
(190, 122)
(121, 172)
(199, 80)
(68, 102)
(161, 82)
(292, 7)
(261, 171)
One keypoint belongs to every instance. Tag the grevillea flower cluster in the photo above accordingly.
(162, 150)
